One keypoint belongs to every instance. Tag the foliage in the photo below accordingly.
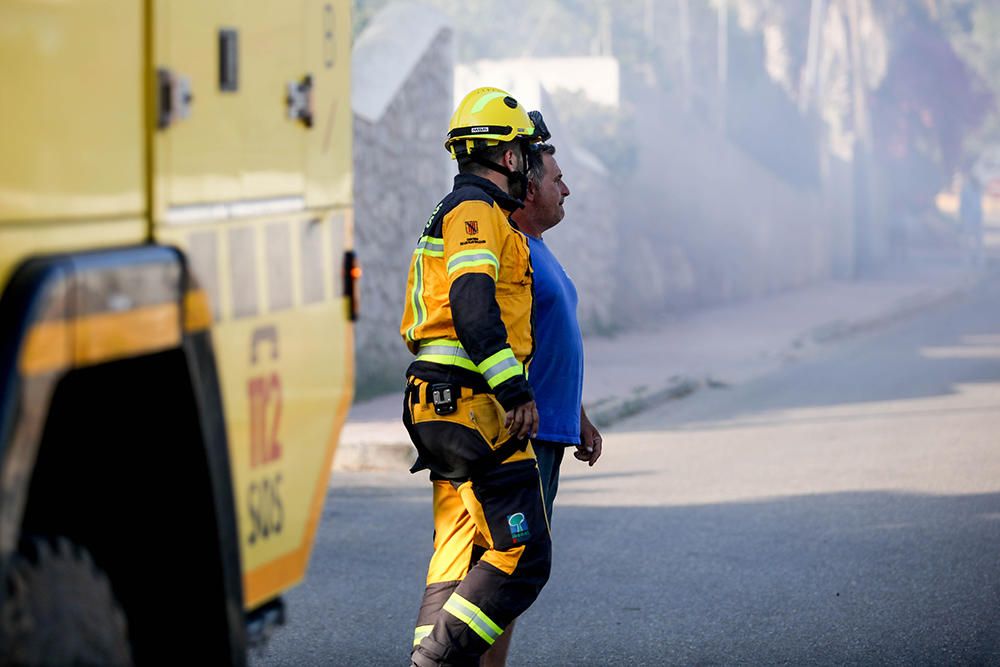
(929, 104)
(974, 29)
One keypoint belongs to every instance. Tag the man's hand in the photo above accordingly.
(589, 449)
(522, 421)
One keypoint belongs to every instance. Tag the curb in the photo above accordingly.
(607, 411)
(912, 305)
(381, 451)
(359, 456)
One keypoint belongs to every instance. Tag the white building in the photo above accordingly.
(597, 78)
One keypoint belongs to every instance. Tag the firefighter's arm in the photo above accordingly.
(472, 259)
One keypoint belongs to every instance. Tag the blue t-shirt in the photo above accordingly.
(556, 371)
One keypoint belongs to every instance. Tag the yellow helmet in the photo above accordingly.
(486, 117)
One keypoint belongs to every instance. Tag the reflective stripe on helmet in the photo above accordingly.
(486, 99)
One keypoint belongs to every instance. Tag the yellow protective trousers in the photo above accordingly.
(492, 548)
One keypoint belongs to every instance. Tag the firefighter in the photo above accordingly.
(468, 406)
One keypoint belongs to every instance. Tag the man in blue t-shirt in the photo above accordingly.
(556, 372)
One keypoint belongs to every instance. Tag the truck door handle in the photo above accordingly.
(300, 100)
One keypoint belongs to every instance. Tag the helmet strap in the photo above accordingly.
(517, 181)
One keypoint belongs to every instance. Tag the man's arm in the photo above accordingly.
(476, 315)
(472, 255)
(591, 442)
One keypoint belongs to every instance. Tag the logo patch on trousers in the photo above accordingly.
(518, 527)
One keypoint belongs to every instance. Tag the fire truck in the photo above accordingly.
(177, 291)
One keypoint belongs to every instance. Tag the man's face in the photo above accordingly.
(549, 194)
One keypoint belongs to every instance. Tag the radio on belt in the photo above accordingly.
(443, 397)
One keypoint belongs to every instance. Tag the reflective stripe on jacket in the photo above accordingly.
(468, 312)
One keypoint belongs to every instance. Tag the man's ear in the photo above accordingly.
(530, 191)
(509, 159)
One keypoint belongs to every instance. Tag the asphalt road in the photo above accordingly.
(842, 510)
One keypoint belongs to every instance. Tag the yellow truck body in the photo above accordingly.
(178, 290)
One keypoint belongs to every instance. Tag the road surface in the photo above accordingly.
(842, 510)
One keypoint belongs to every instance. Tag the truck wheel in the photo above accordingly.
(60, 610)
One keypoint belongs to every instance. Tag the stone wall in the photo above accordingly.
(401, 170)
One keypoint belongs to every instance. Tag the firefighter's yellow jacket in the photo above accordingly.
(468, 313)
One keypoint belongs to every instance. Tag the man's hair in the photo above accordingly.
(492, 153)
(536, 161)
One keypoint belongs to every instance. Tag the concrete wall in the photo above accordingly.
(587, 240)
(401, 170)
(702, 222)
